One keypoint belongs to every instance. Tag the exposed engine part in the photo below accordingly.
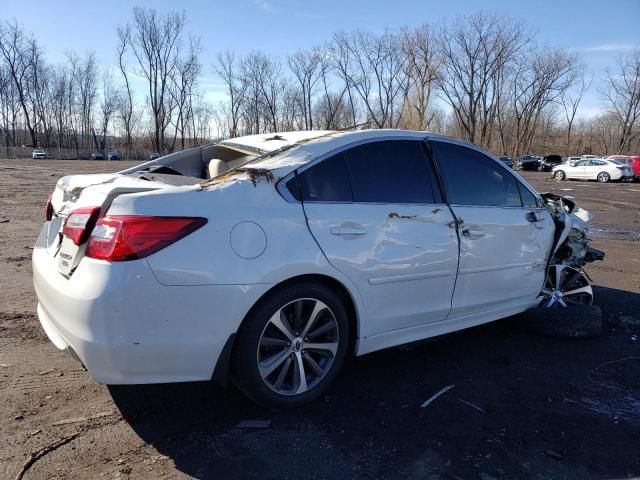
(571, 243)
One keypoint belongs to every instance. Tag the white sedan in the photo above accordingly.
(270, 258)
(600, 169)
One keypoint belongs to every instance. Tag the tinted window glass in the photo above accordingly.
(471, 178)
(327, 181)
(391, 171)
(528, 198)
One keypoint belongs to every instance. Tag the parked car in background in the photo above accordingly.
(583, 157)
(599, 169)
(507, 161)
(572, 160)
(632, 161)
(38, 154)
(113, 155)
(295, 251)
(154, 155)
(550, 161)
(97, 156)
(529, 162)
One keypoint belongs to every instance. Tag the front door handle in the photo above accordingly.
(532, 217)
(470, 232)
(347, 230)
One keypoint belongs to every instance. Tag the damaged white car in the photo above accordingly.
(268, 259)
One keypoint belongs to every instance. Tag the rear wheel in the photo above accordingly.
(559, 175)
(603, 177)
(291, 346)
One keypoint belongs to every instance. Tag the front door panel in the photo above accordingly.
(502, 256)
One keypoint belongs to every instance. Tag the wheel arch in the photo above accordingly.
(334, 284)
(223, 365)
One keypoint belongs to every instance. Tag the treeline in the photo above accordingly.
(482, 77)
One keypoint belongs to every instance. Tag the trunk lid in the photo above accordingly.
(82, 191)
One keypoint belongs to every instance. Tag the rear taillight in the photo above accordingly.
(80, 223)
(48, 210)
(128, 237)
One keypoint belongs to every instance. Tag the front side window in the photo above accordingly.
(528, 198)
(472, 178)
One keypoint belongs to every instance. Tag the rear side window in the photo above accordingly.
(327, 181)
(472, 178)
(391, 171)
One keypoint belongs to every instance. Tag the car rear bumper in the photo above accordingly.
(127, 328)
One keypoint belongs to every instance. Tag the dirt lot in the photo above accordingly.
(522, 407)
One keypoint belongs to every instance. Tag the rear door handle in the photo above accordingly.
(347, 230)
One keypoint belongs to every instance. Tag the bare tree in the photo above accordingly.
(377, 73)
(306, 68)
(182, 89)
(15, 50)
(126, 103)
(539, 79)
(422, 69)
(571, 98)
(109, 102)
(226, 68)
(156, 42)
(474, 51)
(622, 97)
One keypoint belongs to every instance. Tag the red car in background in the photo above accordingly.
(633, 162)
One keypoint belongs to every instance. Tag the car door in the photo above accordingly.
(578, 170)
(377, 213)
(505, 232)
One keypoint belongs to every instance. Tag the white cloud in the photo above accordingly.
(265, 6)
(609, 47)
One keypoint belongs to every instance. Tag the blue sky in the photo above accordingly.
(598, 29)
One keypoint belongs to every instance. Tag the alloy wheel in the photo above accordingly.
(298, 346)
(603, 177)
(566, 286)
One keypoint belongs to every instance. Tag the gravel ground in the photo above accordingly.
(522, 406)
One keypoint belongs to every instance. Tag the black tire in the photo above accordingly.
(246, 375)
(559, 175)
(572, 322)
(603, 177)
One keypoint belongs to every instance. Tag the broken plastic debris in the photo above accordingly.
(254, 424)
(436, 395)
(472, 405)
(83, 419)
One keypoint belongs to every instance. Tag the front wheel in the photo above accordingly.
(291, 346)
(603, 177)
(559, 175)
